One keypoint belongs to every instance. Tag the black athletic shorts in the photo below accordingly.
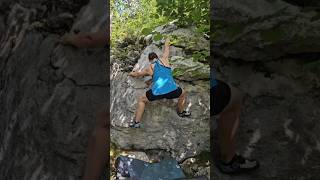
(171, 95)
(220, 96)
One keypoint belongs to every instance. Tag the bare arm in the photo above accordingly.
(145, 72)
(86, 40)
(165, 56)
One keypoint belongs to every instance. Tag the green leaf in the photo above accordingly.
(205, 53)
(146, 31)
(157, 37)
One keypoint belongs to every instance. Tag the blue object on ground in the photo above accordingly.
(135, 169)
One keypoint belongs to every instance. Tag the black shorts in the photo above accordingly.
(220, 96)
(171, 95)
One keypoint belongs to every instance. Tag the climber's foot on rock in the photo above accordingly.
(134, 124)
(184, 113)
(237, 165)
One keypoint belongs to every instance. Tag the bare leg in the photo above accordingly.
(97, 157)
(182, 101)
(141, 105)
(228, 122)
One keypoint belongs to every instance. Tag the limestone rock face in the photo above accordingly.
(48, 93)
(263, 30)
(270, 51)
(162, 129)
(187, 69)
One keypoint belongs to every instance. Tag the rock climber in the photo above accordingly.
(163, 85)
(226, 102)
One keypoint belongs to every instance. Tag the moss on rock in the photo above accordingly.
(189, 69)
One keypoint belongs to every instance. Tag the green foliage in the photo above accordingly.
(178, 72)
(191, 12)
(133, 18)
(146, 31)
(157, 37)
(201, 56)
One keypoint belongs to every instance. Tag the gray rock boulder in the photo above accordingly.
(265, 48)
(162, 129)
(48, 97)
(263, 30)
(188, 69)
(185, 68)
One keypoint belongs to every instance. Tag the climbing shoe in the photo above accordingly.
(134, 124)
(184, 113)
(237, 165)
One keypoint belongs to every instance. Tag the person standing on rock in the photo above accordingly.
(163, 85)
(226, 102)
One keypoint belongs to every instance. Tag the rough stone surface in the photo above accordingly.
(48, 93)
(137, 155)
(162, 129)
(185, 68)
(263, 30)
(191, 166)
(279, 124)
